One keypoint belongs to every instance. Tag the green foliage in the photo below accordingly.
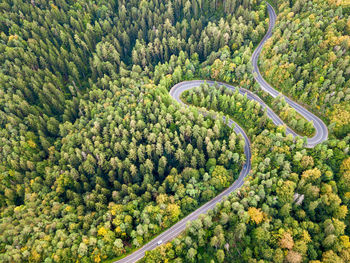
(308, 57)
(96, 159)
(285, 213)
(292, 118)
(249, 114)
(89, 145)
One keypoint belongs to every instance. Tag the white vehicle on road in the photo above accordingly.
(176, 91)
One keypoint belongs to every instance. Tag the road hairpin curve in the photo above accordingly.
(320, 135)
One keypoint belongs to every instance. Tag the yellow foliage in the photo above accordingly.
(162, 199)
(347, 195)
(115, 209)
(344, 3)
(149, 86)
(51, 150)
(312, 174)
(290, 15)
(35, 256)
(345, 165)
(128, 219)
(256, 215)
(113, 212)
(68, 209)
(56, 258)
(341, 212)
(118, 230)
(307, 161)
(31, 144)
(85, 241)
(332, 57)
(13, 37)
(24, 248)
(174, 211)
(102, 231)
(306, 236)
(18, 209)
(97, 258)
(96, 255)
(345, 241)
(170, 179)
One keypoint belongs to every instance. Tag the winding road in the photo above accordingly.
(321, 135)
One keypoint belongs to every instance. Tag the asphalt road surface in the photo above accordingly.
(321, 133)
(320, 136)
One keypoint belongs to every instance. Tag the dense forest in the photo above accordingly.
(294, 208)
(308, 57)
(96, 158)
